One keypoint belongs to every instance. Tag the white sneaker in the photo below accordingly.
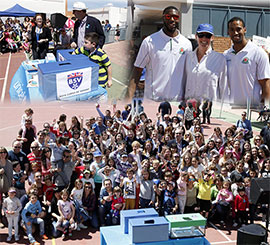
(17, 238)
(9, 238)
(78, 228)
(81, 225)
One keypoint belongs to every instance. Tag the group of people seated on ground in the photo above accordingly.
(75, 173)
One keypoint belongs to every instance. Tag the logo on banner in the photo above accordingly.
(75, 79)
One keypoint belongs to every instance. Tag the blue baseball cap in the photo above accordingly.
(205, 28)
(97, 154)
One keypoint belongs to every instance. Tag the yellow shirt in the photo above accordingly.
(204, 192)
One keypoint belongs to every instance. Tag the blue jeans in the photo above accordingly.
(38, 221)
(55, 232)
(94, 220)
(105, 215)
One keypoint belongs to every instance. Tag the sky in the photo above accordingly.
(93, 4)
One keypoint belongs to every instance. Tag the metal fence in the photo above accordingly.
(109, 36)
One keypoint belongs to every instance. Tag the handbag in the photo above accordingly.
(4, 185)
(223, 203)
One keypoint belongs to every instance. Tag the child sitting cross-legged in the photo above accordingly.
(31, 215)
(67, 212)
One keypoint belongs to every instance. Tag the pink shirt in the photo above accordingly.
(183, 184)
(228, 197)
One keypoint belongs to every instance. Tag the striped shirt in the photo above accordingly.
(33, 158)
(100, 58)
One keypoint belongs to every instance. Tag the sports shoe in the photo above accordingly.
(17, 238)
(9, 238)
(45, 237)
(81, 225)
(78, 228)
(235, 224)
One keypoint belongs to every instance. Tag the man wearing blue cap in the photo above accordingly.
(205, 71)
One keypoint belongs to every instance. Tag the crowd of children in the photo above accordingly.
(83, 173)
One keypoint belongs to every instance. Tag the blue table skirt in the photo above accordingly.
(113, 235)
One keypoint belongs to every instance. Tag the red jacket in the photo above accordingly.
(241, 203)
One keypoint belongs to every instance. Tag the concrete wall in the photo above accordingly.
(113, 14)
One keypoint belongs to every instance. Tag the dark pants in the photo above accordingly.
(105, 215)
(144, 203)
(190, 209)
(223, 211)
(242, 217)
(39, 54)
(206, 113)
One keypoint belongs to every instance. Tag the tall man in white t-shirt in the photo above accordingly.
(248, 67)
(159, 54)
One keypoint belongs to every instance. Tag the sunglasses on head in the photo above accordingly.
(169, 16)
(207, 35)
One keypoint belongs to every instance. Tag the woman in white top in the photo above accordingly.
(205, 69)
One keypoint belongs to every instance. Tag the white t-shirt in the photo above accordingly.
(205, 79)
(77, 195)
(197, 172)
(164, 59)
(65, 207)
(244, 70)
(129, 188)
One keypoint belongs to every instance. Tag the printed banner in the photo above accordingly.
(262, 42)
(73, 83)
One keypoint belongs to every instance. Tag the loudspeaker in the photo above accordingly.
(260, 190)
(251, 234)
(58, 20)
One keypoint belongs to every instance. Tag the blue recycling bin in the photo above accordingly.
(126, 215)
(150, 229)
(67, 79)
(66, 54)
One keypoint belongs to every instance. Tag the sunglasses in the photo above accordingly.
(169, 16)
(34, 147)
(88, 187)
(2, 152)
(17, 147)
(207, 35)
(191, 179)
